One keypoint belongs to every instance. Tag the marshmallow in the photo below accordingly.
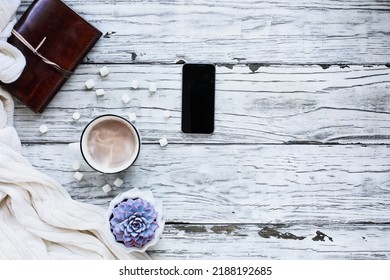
(118, 182)
(76, 166)
(106, 188)
(152, 87)
(100, 92)
(78, 176)
(104, 71)
(163, 142)
(167, 114)
(125, 98)
(74, 147)
(43, 129)
(134, 84)
(90, 84)
(76, 116)
(132, 117)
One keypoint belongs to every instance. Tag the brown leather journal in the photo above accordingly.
(68, 39)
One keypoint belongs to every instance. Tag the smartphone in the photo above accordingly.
(198, 98)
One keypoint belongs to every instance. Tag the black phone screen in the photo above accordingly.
(198, 98)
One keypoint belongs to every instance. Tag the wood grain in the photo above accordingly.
(236, 183)
(263, 241)
(282, 31)
(299, 164)
(279, 104)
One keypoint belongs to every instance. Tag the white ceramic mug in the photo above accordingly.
(110, 144)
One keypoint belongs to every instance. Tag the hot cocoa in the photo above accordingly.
(110, 144)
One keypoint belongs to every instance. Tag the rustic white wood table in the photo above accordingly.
(299, 164)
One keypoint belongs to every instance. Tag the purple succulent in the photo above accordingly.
(133, 222)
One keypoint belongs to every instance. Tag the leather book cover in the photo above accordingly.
(63, 39)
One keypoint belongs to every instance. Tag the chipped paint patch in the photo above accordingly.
(224, 229)
(180, 61)
(233, 230)
(324, 66)
(267, 232)
(320, 236)
(108, 34)
(239, 59)
(194, 229)
(255, 66)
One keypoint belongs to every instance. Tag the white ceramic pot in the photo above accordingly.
(133, 194)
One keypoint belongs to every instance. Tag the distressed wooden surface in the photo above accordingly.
(250, 183)
(301, 144)
(263, 241)
(282, 31)
(278, 104)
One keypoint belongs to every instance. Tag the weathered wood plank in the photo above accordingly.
(244, 183)
(240, 241)
(243, 201)
(282, 31)
(276, 104)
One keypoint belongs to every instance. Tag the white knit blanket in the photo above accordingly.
(38, 218)
(12, 61)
